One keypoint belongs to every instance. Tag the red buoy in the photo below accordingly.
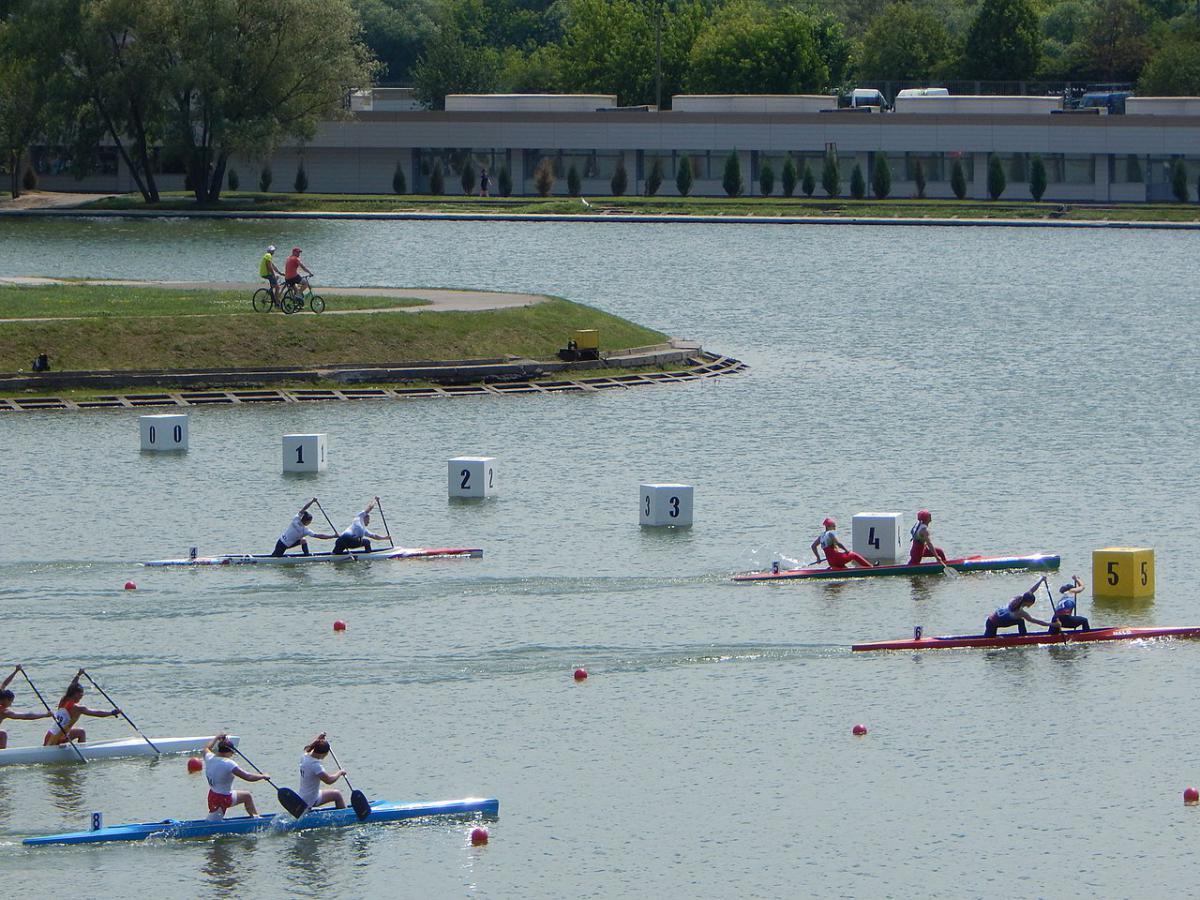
(194, 765)
(479, 836)
(580, 674)
(339, 625)
(859, 730)
(1191, 795)
(130, 586)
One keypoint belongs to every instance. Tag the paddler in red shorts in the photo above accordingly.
(922, 541)
(219, 769)
(836, 553)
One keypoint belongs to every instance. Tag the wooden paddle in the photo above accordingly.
(387, 531)
(288, 799)
(362, 806)
(115, 705)
(66, 731)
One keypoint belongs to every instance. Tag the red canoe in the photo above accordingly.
(1116, 633)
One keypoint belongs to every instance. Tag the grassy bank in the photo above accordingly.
(113, 331)
(767, 207)
(90, 300)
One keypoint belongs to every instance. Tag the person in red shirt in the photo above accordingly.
(292, 267)
(922, 541)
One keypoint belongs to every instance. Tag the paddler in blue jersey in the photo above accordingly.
(1064, 608)
(1016, 612)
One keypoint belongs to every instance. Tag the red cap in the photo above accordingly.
(295, 250)
(829, 523)
(924, 516)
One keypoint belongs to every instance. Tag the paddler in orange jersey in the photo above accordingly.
(68, 713)
(922, 541)
(1015, 612)
(6, 699)
(836, 553)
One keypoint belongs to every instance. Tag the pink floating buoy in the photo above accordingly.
(194, 764)
(339, 625)
(580, 674)
(1191, 795)
(479, 836)
(859, 730)
(130, 586)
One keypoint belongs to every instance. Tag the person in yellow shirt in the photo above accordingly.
(268, 270)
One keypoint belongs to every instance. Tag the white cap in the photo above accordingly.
(271, 249)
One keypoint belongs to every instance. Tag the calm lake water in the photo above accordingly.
(1036, 389)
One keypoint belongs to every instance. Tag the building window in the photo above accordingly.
(1079, 168)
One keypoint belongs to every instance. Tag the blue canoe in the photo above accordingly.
(381, 811)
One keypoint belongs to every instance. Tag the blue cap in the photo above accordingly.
(1067, 587)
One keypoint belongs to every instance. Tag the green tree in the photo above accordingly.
(1116, 40)
(831, 176)
(731, 181)
(788, 177)
(1179, 180)
(1174, 71)
(1004, 43)
(905, 42)
(749, 47)
(301, 182)
(881, 176)
(655, 179)
(24, 95)
(574, 183)
(265, 177)
(684, 177)
(504, 182)
(437, 178)
(1037, 177)
(996, 182)
(808, 182)
(399, 181)
(451, 64)
(858, 184)
(766, 178)
(919, 178)
(608, 46)
(543, 176)
(397, 31)
(620, 178)
(958, 179)
(467, 176)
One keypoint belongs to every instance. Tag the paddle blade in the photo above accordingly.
(292, 802)
(362, 806)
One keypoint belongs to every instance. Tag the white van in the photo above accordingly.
(860, 97)
(923, 92)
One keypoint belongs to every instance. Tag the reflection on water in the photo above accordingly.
(67, 784)
(306, 855)
(225, 860)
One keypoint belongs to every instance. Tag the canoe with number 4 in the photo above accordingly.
(1036, 561)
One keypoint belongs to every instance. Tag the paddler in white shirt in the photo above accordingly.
(836, 553)
(313, 775)
(6, 699)
(219, 769)
(67, 714)
(356, 536)
(922, 541)
(298, 530)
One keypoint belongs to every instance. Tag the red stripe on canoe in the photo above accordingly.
(1115, 633)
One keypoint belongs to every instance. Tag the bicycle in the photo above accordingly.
(297, 298)
(264, 301)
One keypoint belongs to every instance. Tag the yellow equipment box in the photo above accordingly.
(1123, 573)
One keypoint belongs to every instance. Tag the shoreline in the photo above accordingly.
(593, 218)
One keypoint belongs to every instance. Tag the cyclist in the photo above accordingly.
(291, 272)
(268, 270)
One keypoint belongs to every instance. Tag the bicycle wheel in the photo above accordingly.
(290, 303)
(316, 304)
(261, 301)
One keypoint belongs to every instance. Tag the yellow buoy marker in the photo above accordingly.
(1123, 573)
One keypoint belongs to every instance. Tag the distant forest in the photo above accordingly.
(776, 46)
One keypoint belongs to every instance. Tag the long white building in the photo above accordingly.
(1088, 156)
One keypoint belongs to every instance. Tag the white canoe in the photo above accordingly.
(134, 746)
(299, 559)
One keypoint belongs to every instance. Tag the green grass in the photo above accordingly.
(134, 339)
(771, 207)
(41, 301)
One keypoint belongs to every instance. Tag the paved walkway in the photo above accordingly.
(438, 299)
